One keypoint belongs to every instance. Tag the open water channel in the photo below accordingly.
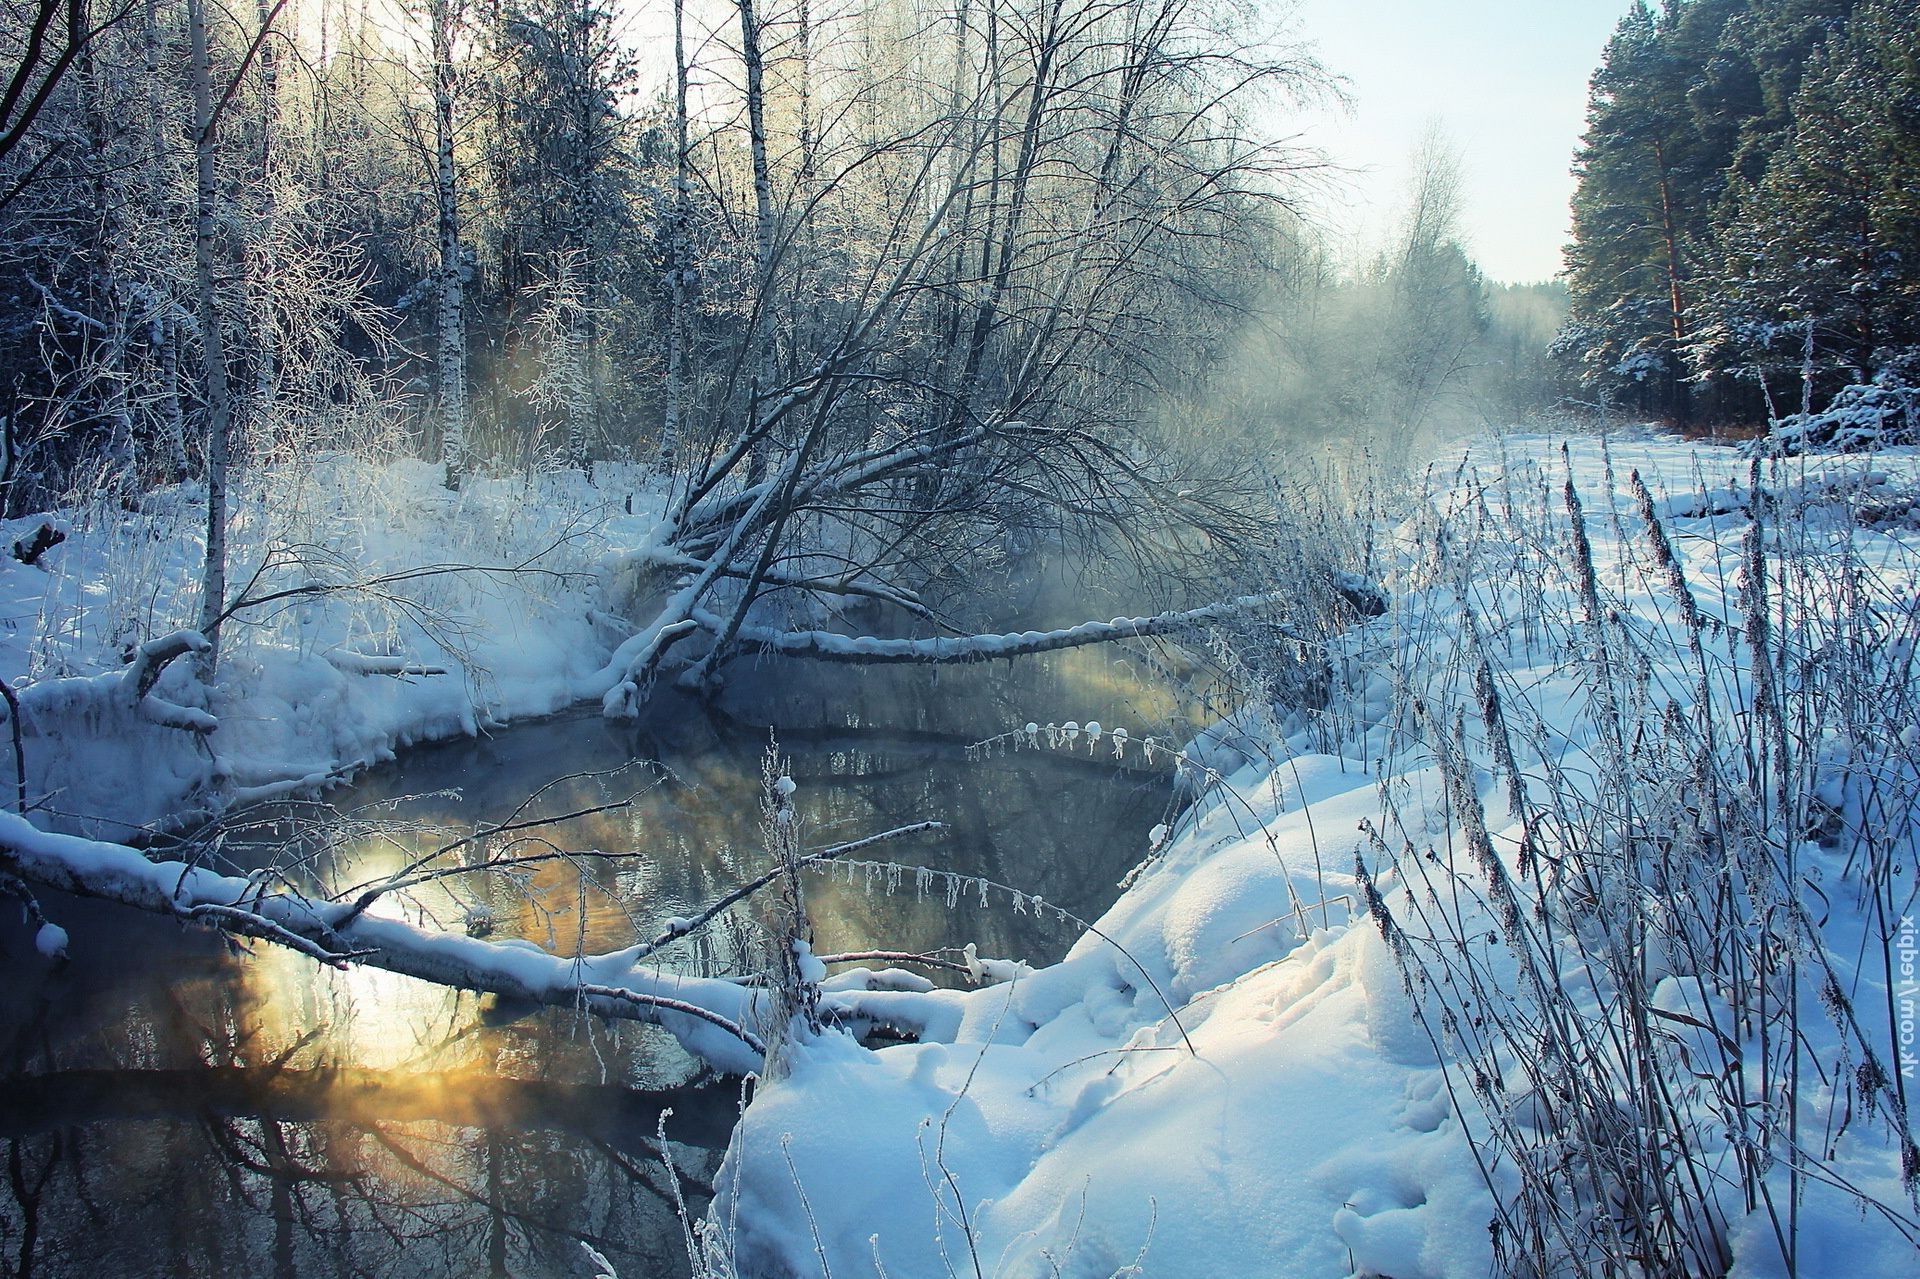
(171, 1106)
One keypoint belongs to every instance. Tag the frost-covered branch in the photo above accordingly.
(609, 985)
(828, 647)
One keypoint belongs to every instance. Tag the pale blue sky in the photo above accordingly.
(1505, 79)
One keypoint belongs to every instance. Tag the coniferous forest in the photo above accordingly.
(1747, 224)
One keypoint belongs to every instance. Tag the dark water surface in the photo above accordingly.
(170, 1106)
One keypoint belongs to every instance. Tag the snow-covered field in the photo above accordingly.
(1575, 926)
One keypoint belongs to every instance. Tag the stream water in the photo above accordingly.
(172, 1106)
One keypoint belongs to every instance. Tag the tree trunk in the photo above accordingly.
(758, 356)
(451, 327)
(682, 198)
(212, 350)
(265, 274)
(1676, 303)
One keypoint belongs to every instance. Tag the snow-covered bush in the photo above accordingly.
(1659, 957)
(1873, 415)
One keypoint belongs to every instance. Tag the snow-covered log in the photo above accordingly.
(829, 647)
(150, 660)
(711, 1017)
(352, 663)
(51, 702)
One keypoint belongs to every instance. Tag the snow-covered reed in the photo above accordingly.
(1657, 945)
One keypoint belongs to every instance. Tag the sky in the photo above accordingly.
(1506, 82)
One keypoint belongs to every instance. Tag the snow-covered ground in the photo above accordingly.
(1565, 927)
(507, 587)
(1243, 1073)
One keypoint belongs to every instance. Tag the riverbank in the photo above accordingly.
(1568, 933)
(373, 609)
(1568, 929)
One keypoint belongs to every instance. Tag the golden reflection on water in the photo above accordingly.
(215, 1102)
(669, 819)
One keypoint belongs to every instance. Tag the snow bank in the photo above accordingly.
(382, 611)
(1867, 416)
(1239, 1071)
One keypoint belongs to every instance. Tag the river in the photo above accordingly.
(174, 1106)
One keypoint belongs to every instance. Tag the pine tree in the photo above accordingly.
(1687, 111)
(1630, 264)
(1821, 256)
(560, 161)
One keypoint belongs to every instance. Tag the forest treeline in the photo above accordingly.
(516, 234)
(1746, 237)
(519, 233)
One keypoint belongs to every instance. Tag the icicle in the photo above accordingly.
(1119, 742)
(983, 893)
(1072, 729)
(1093, 735)
(953, 890)
(1032, 731)
(922, 882)
(1053, 737)
(1019, 903)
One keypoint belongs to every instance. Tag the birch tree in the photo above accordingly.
(213, 359)
(450, 333)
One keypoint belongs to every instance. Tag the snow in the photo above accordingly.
(1228, 1074)
(51, 940)
(1233, 1071)
(391, 612)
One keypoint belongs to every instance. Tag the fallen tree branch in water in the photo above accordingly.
(609, 985)
(827, 646)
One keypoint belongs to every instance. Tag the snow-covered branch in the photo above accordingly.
(828, 647)
(707, 1015)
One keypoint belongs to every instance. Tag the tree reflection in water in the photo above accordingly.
(165, 1117)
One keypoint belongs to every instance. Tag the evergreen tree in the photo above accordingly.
(1690, 115)
(1630, 265)
(1821, 255)
(563, 174)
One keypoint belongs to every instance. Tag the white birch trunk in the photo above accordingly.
(671, 426)
(451, 328)
(265, 274)
(750, 55)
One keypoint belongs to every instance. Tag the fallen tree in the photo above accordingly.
(721, 1021)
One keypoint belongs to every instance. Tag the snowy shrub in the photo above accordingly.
(1878, 414)
(1659, 960)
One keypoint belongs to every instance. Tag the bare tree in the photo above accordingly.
(1436, 306)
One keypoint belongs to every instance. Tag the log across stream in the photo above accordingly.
(171, 1106)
